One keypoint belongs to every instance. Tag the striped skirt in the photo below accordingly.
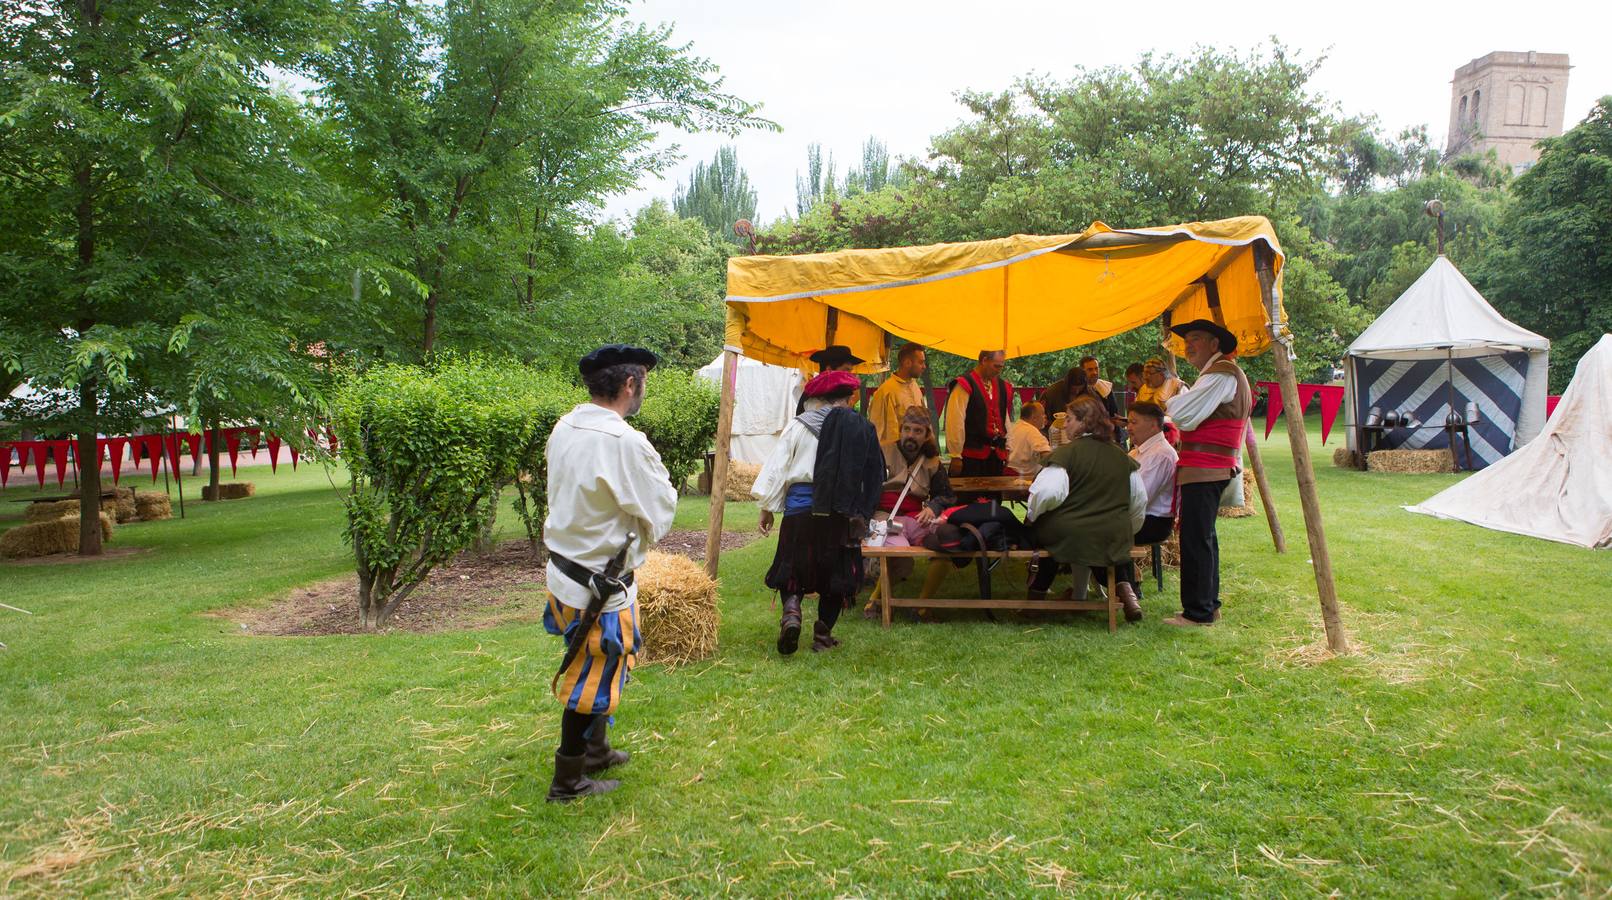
(593, 681)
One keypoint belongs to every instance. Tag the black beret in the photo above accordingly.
(615, 355)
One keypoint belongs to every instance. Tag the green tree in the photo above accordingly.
(1550, 269)
(717, 195)
(481, 135)
(153, 190)
(818, 183)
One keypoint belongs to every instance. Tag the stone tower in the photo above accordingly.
(1507, 101)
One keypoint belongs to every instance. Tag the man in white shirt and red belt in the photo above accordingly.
(977, 418)
(605, 482)
(1213, 417)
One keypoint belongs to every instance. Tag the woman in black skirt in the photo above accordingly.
(824, 478)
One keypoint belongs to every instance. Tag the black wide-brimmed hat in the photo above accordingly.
(835, 355)
(615, 355)
(1228, 341)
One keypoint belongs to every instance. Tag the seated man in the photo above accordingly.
(1085, 505)
(913, 456)
(1027, 445)
(1158, 385)
(1155, 459)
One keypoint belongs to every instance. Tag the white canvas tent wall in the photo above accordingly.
(1559, 487)
(763, 403)
(1442, 333)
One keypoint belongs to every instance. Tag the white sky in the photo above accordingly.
(836, 72)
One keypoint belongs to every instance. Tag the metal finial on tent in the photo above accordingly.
(1435, 208)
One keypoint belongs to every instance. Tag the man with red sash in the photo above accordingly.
(1213, 417)
(977, 418)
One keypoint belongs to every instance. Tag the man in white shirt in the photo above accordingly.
(605, 481)
(1027, 445)
(1155, 460)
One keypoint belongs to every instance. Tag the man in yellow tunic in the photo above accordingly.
(899, 393)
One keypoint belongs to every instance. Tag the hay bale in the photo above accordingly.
(677, 610)
(47, 537)
(1344, 458)
(151, 505)
(741, 477)
(235, 490)
(1170, 551)
(1410, 462)
(51, 511)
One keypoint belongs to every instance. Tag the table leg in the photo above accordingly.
(884, 592)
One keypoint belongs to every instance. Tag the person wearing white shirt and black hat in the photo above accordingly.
(610, 499)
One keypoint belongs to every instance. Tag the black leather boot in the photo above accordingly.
(599, 755)
(789, 625)
(570, 782)
(822, 637)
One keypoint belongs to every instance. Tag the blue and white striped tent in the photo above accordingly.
(1440, 344)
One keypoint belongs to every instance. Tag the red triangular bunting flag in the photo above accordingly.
(232, 442)
(5, 465)
(41, 450)
(1273, 405)
(274, 453)
(23, 448)
(195, 442)
(58, 452)
(114, 453)
(1331, 402)
(152, 445)
(257, 438)
(294, 454)
(172, 443)
(1306, 394)
(330, 435)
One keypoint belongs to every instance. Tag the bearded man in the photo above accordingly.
(912, 461)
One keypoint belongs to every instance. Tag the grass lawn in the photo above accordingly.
(150, 748)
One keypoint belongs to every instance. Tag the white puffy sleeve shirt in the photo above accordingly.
(1190, 407)
(791, 462)
(604, 480)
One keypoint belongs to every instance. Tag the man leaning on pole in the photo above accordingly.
(610, 498)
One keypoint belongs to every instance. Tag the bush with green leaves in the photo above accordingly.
(679, 418)
(427, 450)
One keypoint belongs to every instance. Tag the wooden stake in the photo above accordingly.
(1257, 463)
(1321, 559)
(719, 466)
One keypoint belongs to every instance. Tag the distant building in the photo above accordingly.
(1506, 102)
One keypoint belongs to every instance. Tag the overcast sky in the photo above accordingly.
(837, 71)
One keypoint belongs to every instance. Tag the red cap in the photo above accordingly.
(828, 384)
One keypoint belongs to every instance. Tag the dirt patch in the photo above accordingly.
(474, 591)
(73, 559)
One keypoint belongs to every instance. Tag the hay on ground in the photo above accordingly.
(47, 537)
(1410, 462)
(153, 505)
(741, 478)
(51, 511)
(1344, 458)
(677, 609)
(235, 490)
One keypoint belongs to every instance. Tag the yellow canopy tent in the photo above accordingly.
(1024, 294)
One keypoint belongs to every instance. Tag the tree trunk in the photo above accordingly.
(210, 435)
(89, 478)
(430, 338)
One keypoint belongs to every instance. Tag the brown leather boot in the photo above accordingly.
(570, 782)
(599, 755)
(1127, 598)
(822, 639)
(789, 625)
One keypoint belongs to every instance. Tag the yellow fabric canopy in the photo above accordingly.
(1024, 294)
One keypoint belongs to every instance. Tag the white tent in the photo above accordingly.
(1441, 346)
(763, 403)
(1559, 487)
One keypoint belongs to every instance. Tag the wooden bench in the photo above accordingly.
(937, 573)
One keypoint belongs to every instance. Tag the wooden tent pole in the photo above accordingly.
(719, 466)
(1211, 292)
(1326, 589)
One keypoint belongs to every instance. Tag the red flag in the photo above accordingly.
(41, 450)
(257, 438)
(114, 453)
(1331, 402)
(293, 450)
(5, 465)
(232, 441)
(58, 452)
(274, 453)
(1273, 405)
(153, 452)
(195, 442)
(330, 434)
(23, 448)
(1306, 394)
(172, 442)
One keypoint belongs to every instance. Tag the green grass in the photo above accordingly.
(150, 748)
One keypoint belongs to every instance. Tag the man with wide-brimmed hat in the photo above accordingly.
(1213, 417)
(610, 499)
(824, 478)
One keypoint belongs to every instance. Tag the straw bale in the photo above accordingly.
(1247, 509)
(49, 512)
(677, 609)
(234, 490)
(47, 537)
(153, 505)
(1170, 551)
(1344, 458)
(1410, 462)
(741, 477)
